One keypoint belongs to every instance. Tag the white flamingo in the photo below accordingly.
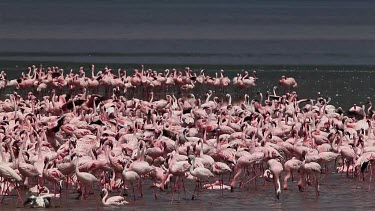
(113, 200)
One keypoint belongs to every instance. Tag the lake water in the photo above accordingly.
(336, 192)
(237, 32)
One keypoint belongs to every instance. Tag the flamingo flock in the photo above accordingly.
(40, 80)
(90, 142)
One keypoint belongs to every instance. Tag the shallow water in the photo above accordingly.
(336, 192)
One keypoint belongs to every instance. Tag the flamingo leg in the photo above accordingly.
(334, 167)
(66, 188)
(5, 192)
(183, 186)
(140, 187)
(85, 195)
(173, 192)
(54, 190)
(343, 166)
(19, 194)
(95, 198)
(369, 185)
(222, 184)
(274, 185)
(155, 194)
(348, 167)
(179, 186)
(193, 196)
(255, 178)
(292, 176)
(133, 190)
(317, 185)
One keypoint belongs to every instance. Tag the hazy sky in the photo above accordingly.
(204, 31)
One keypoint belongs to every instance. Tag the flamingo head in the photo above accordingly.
(267, 175)
(304, 154)
(190, 159)
(187, 150)
(282, 79)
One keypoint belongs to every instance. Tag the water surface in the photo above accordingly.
(336, 192)
(189, 32)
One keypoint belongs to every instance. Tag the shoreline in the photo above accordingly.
(23, 64)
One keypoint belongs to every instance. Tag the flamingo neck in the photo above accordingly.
(177, 143)
(2, 153)
(104, 200)
(77, 166)
(201, 152)
(142, 152)
(278, 191)
(192, 165)
(12, 154)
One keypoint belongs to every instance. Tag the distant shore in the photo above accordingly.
(9, 65)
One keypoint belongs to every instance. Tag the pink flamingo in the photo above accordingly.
(200, 173)
(288, 82)
(312, 169)
(275, 168)
(11, 177)
(130, 177)
(290, 166)
(140, 166)
(114, 200)
(86, 179)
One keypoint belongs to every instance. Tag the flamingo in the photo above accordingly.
(288, 82)
(178, 166)
(200, 173)
(217, 185)
(327, 157)
(140, 166)
(26, 169)
(114, 200)
(275, 168)
(85, 178)
(131, 177)
(10, 176)
(290, 166)
(106, 132)
(312, 169)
